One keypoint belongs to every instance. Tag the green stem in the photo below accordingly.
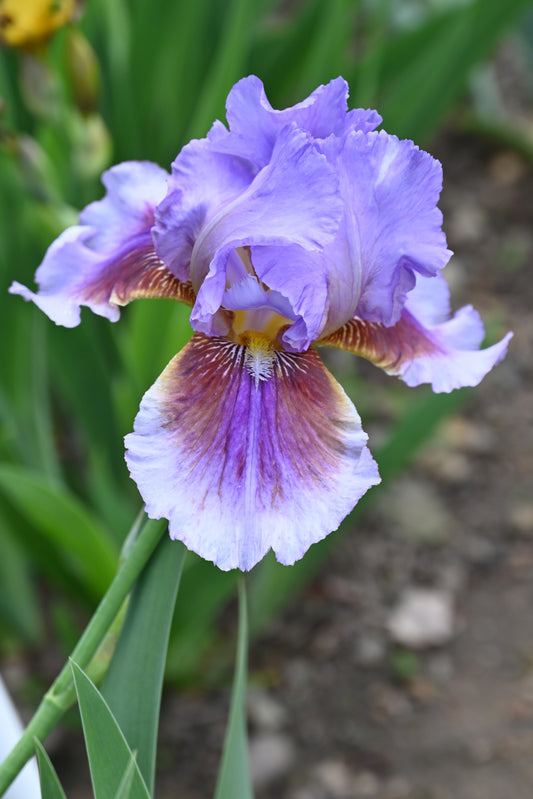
(61, 695)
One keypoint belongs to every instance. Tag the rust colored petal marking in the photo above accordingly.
(387, 347)
(151, 279)
(241, 465)
(271, 435)
(138, 274)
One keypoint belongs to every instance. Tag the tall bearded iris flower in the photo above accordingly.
(287, 230)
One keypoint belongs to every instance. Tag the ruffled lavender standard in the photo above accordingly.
(290, 229)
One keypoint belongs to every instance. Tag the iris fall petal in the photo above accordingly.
(425, 345)
(241, 465)
(457, 360)
(109, 259)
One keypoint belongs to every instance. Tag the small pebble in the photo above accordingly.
(440, 667)
(522, 518)
(271, 756)
(467, 224)
(365, 785)
(506, 168)
(397, 788)
(423, 617)
(414, 510)
(446, 465)
(265, 712)
(370, 650)
(334, 777)
(464, 435)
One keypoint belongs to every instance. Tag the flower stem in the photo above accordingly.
(61, 694)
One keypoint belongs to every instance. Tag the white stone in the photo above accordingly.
(271, 756)
(422, 618)
(265, 712)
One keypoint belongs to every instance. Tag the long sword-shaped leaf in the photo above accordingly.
(424, 72)
(19, 606)
(234, 781)
(322, 56)
(50, 785)
(204, 591)
(126, 783)
(227, 66)
(133, 683)
(107, 749)
(65, 523)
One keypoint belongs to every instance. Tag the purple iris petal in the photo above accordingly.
(67, 268)
(133, 189)
(110, 257)
(240, 466)
(249, 294)
(202, 182)
(391, 189)
(300, 276)
(425, 345)
(391, 231)
(457, 360)
(255, 125)
(293, 200)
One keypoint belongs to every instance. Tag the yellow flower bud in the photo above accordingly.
(28, 23)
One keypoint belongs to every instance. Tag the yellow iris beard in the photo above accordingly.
(259, 355)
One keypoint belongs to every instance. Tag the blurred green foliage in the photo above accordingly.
(134, 79)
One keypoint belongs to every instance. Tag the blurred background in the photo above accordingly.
(395, 661)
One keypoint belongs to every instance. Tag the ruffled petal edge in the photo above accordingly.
(446, 355)
(242, 462)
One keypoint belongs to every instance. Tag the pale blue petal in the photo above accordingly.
(255, 465)
(302, 277)
(390, 189)
(133, 189)
(292, 201)
(254, 124)
(249, 294)
(68, 268)
(96, 263)
(457, 360)
(425, 345)
(203, 182)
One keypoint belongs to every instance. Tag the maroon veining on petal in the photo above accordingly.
(388, 347)
(134, 273)
(210, 400)
(239, 463)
